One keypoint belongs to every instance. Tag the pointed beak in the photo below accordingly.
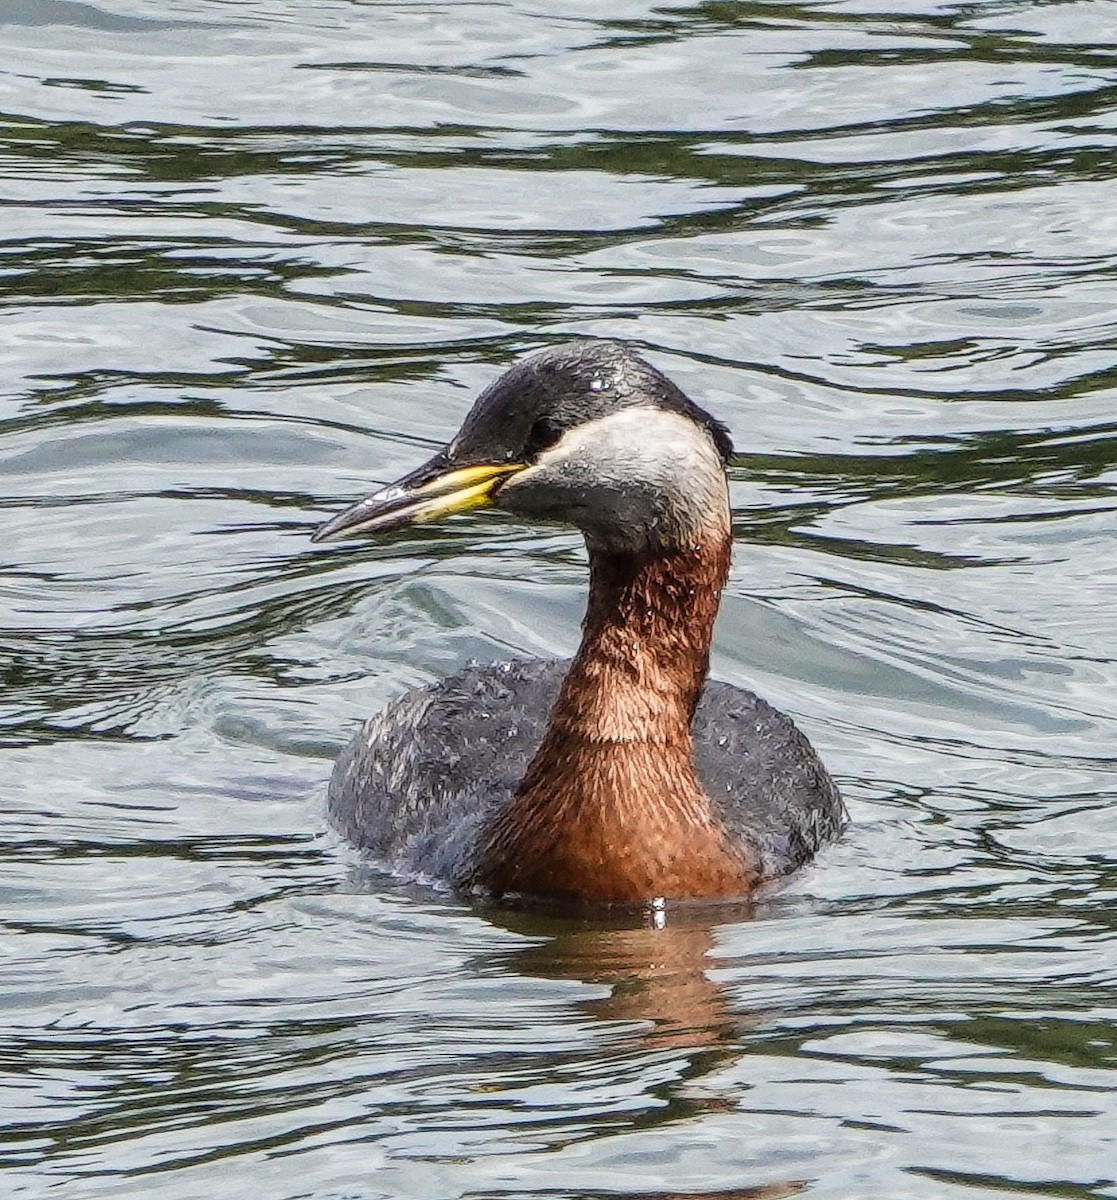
(428, 494)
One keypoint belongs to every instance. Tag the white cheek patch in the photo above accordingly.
(641, 474)
(638, 443)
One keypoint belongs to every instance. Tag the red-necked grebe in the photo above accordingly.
(622, 776)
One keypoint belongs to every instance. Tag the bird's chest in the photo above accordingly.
(618, 825)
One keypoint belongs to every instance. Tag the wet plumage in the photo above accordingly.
(621, 776)
(415, 786)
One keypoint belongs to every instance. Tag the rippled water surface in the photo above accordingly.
(257, 256)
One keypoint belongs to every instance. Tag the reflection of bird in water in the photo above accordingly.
(655, 975)
(661, 1007)
(620, 776)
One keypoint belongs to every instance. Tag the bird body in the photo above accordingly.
(424, 777)
(623, 776)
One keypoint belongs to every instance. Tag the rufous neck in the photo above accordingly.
(645, 643)
(610, 808)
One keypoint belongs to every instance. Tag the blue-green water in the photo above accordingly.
(257, 256)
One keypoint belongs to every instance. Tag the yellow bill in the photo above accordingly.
(428, 494)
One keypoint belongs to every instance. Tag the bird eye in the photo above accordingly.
(544, 433)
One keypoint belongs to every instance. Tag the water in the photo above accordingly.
(255, 257)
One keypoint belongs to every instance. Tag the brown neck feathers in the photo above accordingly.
(610, 808)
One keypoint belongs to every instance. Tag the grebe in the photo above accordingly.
(622, 776)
